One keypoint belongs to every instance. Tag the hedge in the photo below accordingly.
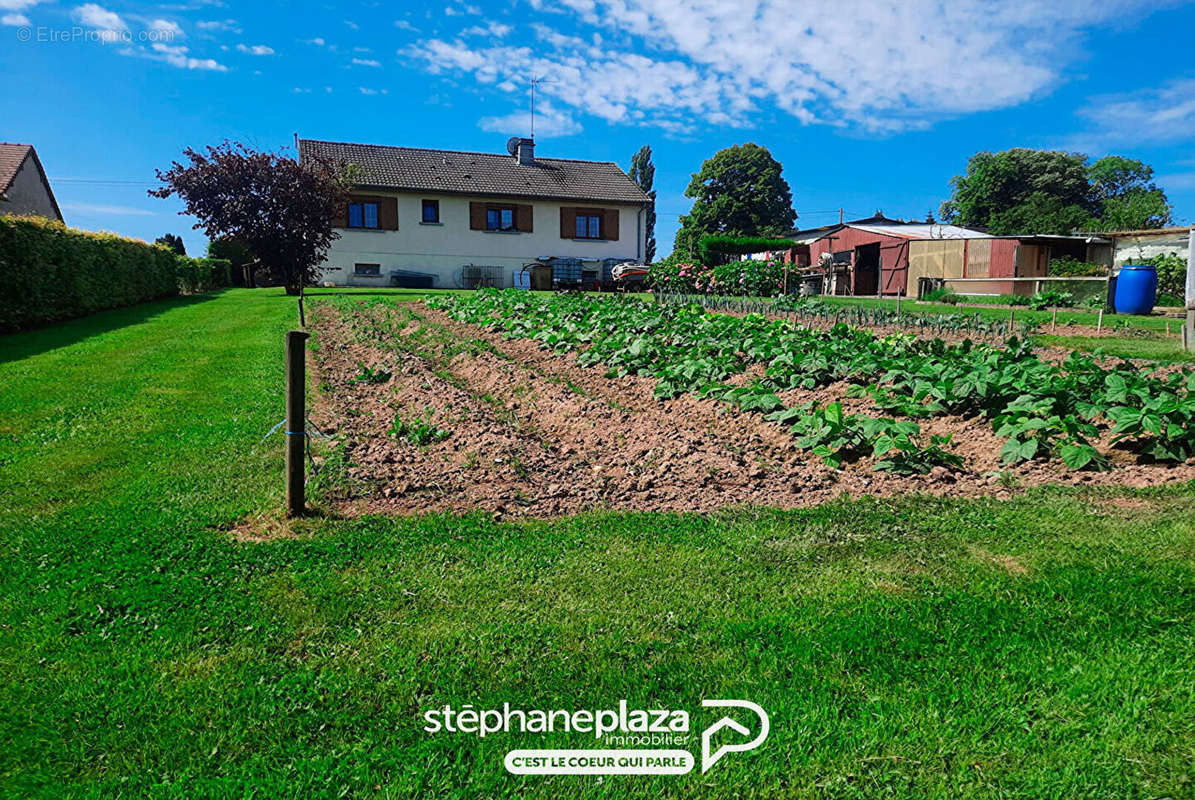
(739, 245)
(49, 272)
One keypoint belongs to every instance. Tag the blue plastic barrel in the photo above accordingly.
(1136, 289)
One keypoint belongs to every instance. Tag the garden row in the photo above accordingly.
(1043, 410)
(49, 272)
(813, 309)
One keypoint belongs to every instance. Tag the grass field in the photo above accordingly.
(1036, 647)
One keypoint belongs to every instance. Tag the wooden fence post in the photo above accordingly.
(296, 422)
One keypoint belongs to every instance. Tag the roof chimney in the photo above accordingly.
(526, 152)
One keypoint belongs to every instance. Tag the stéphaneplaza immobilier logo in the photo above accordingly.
(638, 741)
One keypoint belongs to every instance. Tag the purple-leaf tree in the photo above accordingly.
(281, 210)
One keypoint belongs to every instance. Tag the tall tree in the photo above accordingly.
(1022, 191)
(739, 191)
(174, 242)
(643, 172)
(1128, 197)
(278, 208)
(1051, 192)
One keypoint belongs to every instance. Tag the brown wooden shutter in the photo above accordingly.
(477, 216)
(388, 213)
(610, 224)
(523, 219)
(568, 222)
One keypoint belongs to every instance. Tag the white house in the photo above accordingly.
(454, 219)
(24, 188)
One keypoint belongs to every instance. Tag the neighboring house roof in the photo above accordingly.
(806, 235)
(412, 169)
(12, 158)
(1146, 232)
(923, 230)
(895, 228)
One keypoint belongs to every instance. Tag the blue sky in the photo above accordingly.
(868, 105)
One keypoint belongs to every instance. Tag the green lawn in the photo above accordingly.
(1038, 647)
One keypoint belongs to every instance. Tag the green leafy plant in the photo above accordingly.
(418, 430)
(1160, 419)
(942, 296)
(1034, 432)
(370, 375)
(1051, 298)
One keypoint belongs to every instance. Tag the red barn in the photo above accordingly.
(871, 257)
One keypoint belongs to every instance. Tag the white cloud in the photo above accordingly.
(1158, 115)
(221, 25)
(317, 41)
(618, 87)
(495, 29)
(403, 25)
(366, 62)
(255, 50)
(17, 5)
(177, 56)
(14, 19)
(549, 123)
(165, 29)
(880, 67)
(108, 24)
(367, 90)
(352, 25)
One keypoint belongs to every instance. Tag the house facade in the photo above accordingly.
(450, 219)
(24, 187)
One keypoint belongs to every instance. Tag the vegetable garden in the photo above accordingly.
(568, 402)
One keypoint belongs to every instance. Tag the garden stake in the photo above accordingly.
(1099, 323)
(1054, 321)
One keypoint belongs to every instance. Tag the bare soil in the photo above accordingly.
(532, 433)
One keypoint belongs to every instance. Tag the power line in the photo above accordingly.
(104, 181)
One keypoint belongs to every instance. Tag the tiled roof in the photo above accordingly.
(451, 171)
(12, 156)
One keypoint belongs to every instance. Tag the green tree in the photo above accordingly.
(643, 172)
(1051, 192)
(739, 192)
(174, 242)
(1022, 191)
(1128, 197)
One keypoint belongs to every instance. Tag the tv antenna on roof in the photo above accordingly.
(535, 81)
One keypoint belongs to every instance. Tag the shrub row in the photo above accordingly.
(49, 272)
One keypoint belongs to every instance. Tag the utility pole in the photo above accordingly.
(1189, 322)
